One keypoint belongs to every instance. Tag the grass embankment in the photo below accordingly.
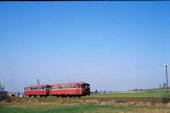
(77, 106)
(150, 93)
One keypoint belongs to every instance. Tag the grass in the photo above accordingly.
(154, 93)
(88, 106)
(71, 106)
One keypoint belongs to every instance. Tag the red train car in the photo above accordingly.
(70, 89)
(37, 90)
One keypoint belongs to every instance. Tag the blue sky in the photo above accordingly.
(114, 46)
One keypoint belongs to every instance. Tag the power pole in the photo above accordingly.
(38, 82)
(166, 69)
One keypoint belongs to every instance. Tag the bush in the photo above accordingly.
(165, 98)
(6, 98)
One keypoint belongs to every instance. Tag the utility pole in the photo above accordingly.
(166, 69)
(38, 82)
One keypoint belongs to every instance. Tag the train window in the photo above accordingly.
(47, 88)
(82, 86)
(68, 86)
(78, 85)
(87, 86)
(60, 87)
(74, 86)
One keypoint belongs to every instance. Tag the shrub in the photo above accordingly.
(165, 98)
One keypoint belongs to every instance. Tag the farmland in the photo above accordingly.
(147, 101)
(154, 93)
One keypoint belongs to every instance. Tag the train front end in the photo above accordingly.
(85, 89)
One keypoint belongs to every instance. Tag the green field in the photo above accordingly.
(154, 93)
(77, 106)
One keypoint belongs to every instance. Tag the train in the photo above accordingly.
(66, 89)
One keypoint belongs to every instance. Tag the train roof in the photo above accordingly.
(71, 83)
(36, 85)
(56, 84)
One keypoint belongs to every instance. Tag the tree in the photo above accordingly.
(1, 87)
(135, 89)
(164, 85)
(96, 91)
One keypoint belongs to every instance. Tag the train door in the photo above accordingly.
(47, 88)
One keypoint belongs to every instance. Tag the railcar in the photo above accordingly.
(70, 89)
(37, 90)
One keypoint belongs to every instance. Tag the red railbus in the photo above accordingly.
(70, 89)
(37, 90)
